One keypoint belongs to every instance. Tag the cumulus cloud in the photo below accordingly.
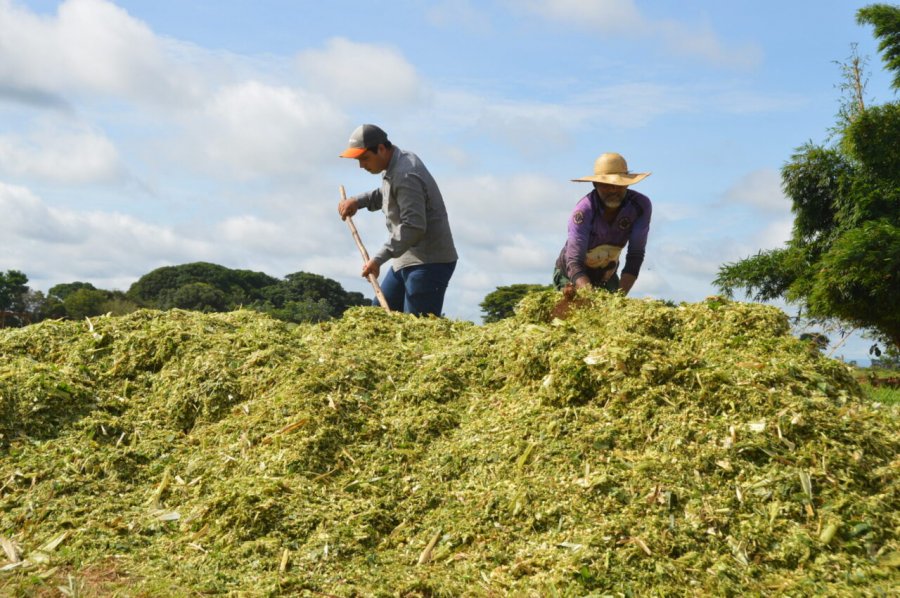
(66, 155)
(558, 122)
(352, 73)
(25, 216)
(255, 129)
(459, 14)
(623, 18)
(488, 212)
(88, 46)
(651, 283)
(293, 236)
(45, 241)
(696, 261)
(34, 98)
(609, 16)
(776, 234)
(760, 189)
(521, 253)
(55, 244)
(702, 42)
(632, 104)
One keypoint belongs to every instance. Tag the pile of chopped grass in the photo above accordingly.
(635, 448)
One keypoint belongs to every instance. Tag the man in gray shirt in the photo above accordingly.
(421, 244)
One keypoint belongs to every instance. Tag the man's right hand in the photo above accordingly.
(347, 208)
(371, 268)
(582, 282)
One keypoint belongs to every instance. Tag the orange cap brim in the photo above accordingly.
(353, 152)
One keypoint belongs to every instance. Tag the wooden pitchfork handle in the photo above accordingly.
(365, 256)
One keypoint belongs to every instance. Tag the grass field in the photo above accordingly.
(884, 394)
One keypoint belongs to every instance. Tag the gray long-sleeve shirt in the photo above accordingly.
(415, 214)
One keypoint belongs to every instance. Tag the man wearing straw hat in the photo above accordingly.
(603, 222)
(420, 244)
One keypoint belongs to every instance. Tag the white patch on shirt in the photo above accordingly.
(602, 256)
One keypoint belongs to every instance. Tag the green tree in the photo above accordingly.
(501, 303)
(85, 303)
(13, 289)
(49, 308)
(307, 288)
(306, 297)
(34, 305)
(118, 304)
(886, 21)
(13, 285)
(199, 296)
(160, 287)
(61, 291)
(302, 311)
(201, 286)
(843, 259)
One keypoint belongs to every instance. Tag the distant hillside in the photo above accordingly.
(633, 449)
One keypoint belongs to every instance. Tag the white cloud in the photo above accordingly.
(294, 236)
(776, 234)
(254, 129)
(632, 104)
(610, 16)
(79, 155)
(559, 122)
(459, 14)
(694, 261)
(352, 73)
(59, 244)
(702, 42)
(490, 212)
(622, 18)
(251, 231)
(520, 253)
(25, 216)
(651, 283)
(90, 46)
(760, 189)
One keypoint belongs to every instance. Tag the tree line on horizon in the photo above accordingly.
(197, 286)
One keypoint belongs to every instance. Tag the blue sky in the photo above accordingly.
(138, 134)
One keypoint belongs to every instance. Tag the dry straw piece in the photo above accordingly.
(634, 448)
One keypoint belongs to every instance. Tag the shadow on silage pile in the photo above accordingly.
(678, 451)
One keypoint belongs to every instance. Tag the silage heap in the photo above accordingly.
(662, 451)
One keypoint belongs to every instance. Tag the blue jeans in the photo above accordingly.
(417, 289)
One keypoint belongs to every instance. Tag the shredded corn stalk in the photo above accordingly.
(632, 448)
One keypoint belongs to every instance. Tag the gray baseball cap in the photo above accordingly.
(364, 137)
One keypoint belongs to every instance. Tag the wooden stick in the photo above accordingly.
(365, 255)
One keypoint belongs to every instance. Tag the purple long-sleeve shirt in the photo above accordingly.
(593, 245)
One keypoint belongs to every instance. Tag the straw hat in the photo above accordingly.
(611, 168)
